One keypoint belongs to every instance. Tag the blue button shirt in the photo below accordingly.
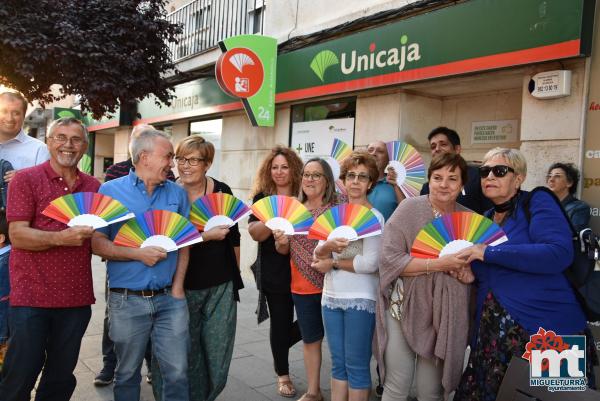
(383, 198)
(131, 191)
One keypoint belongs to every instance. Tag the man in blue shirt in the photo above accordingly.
(146, 284)
(386, 193)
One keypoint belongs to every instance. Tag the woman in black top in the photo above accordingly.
(212, 280)
(562, 179)
(279, 174)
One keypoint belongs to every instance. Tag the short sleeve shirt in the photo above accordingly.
(24, 151)
(383, 198)
(59, 277)
(131, 192)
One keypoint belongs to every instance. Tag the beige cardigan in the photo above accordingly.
(435, 307)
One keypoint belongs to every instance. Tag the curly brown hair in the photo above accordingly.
(356, 158)
(263, 183)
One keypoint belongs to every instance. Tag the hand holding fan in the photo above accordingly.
(168, 230)
(87, 209)
(350, 221)
(454, 232)
(409, 167)
(217, 209)
(339, 151)
(279, 212)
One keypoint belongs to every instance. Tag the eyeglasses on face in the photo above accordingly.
(312, 177)
(62, 139)
(498, 170)
(361, 177)
(192, 161)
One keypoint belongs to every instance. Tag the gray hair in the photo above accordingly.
(329, 196)
(144, 142)
(514, 157)
(68, 121)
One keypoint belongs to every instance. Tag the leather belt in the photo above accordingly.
(142, 293)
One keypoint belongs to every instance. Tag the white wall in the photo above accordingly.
(288, 18)
(552, 128)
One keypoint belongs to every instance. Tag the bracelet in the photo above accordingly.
(427, 266)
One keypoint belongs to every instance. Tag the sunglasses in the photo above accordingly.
(498, 170)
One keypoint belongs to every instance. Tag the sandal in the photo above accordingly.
(285, 388)
(311, 397)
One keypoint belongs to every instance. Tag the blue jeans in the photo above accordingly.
(43, 338)
(4, 291)
(349, 335)
(133, 320)
(308, 310)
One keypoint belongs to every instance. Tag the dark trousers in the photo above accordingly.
(109, 358)
(43, 338)
(284, 332)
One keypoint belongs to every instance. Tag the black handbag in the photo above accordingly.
(262, 311)
(581, 274)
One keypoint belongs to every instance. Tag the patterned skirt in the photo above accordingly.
(499, 338)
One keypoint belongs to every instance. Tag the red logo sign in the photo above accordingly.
(544, 340)
(240, 72)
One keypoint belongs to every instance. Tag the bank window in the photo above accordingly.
(329, 109)
(210, 130)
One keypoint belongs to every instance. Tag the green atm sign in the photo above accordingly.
(246, 70)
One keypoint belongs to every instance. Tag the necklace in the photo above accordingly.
(436, 213)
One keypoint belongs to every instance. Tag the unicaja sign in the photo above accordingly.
(396, 56)
(374, 58)
(556, 362)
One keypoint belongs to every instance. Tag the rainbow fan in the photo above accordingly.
(409, 166)
(339, 151)
(285, 213)
(348, 220)
(168, 230)
(87, 209)
(217, 209)
(454, 232)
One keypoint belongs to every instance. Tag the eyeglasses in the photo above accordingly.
(193, 161)
(361, 177)
(62, 139)
(554, 176)
(312, 177)
(498, 170)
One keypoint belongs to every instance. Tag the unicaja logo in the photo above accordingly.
(374, 59)
(556, 362)
(396, 56)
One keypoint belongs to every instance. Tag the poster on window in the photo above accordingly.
(331, 140)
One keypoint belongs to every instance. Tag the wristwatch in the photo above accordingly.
(335, 265)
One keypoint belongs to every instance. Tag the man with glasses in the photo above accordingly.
(146, 296)
(50, 268)
(109, 359)
(446, 140)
